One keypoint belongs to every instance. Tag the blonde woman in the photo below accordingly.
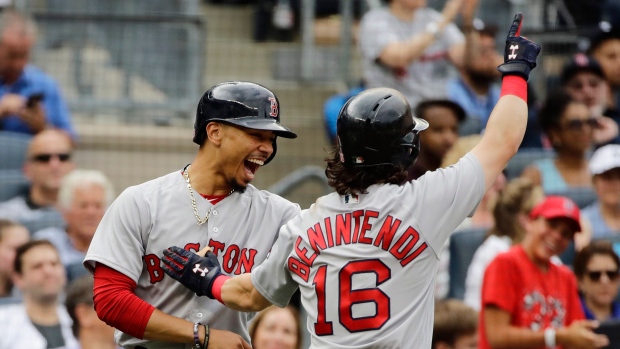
(510, 214)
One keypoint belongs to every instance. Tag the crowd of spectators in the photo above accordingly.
(44, 235)
(46, 226)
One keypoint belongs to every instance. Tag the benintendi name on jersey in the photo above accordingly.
(353, 228)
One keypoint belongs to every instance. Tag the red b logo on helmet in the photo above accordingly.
(274, 107)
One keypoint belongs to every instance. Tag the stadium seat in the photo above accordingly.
(12, 183)
(10, 300)
(463, 245)
(13, 148)
(75, 271)
(49, 218)
(524, 158)
(470, 126)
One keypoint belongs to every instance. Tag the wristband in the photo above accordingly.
(206, 342)
(514, 85)
(196, 337)
(550, 338)
(217, 287)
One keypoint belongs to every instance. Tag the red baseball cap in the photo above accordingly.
(557, 207)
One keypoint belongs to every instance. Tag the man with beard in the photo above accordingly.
(475, 90)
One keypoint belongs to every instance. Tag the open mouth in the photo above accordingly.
(252, 165)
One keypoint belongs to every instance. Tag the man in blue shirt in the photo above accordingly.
(30, 100)
(475, 89)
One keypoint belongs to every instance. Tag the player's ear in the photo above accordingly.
(215, 132)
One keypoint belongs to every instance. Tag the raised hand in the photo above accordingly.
(195, 272)
(519, 53)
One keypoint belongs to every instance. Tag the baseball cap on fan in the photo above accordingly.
(580, 63)
(604, 159)
(557, 207)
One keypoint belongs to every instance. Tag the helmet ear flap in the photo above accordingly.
(200, 134)
(274, 145)
(409, 147)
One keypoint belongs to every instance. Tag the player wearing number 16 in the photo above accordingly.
(365, 256)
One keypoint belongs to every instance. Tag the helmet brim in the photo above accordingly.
(261, 124)
(420, 124)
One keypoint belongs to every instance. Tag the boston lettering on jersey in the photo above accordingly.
(235, 260)
(355, 228)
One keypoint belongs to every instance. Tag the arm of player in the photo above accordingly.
(501, 334)
(239, 293)
(506, 126)
(203, 275)
(167, 328)
(117, 305)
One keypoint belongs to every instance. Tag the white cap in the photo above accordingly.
(605, 158)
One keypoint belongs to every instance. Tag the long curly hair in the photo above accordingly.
(356, 180)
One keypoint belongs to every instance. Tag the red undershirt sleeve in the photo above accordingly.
(116, 303)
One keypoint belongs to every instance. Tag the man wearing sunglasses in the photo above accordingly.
(48, 161)
(597, 269)
(528, 301)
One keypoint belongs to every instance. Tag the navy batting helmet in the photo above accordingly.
(240, 103)
(377, 127)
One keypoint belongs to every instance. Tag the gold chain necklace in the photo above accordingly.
(200, 221)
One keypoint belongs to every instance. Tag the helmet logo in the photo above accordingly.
(274, 107)
(358, 160)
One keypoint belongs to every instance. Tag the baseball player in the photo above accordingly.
(208, 203)
(365, 256)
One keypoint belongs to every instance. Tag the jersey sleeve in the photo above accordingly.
(442, 199)
(118, 241)
(272, 278)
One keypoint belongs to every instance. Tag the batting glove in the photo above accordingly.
(520, 53)
(193, 271)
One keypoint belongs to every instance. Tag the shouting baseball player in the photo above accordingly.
(208, 203)
(365, 256)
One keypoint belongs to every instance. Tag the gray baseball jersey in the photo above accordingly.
(366, 264)
(148, 218)
(427, 76)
